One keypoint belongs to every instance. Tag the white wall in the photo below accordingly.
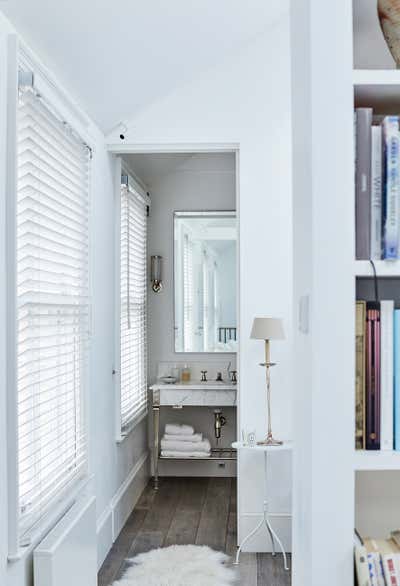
(208, 183)
(246, 101)
(112, 465)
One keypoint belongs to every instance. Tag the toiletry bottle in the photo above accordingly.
(176, 372)
(185, 374)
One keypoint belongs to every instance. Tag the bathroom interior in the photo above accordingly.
(191, 310)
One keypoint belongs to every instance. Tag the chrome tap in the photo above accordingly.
(203, 376)
(219, 377)
(234, 377)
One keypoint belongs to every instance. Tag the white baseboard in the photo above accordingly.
(104, 536)
(114, 517)
(260, 542)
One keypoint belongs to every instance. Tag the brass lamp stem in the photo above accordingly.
(269, 441)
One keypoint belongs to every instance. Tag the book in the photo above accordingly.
(360, 375)
(361, 563)
(390, 557)
(386, 371)
(376, 192)
(372, 376)
(396, 368)
(363, 124)
(391, 187)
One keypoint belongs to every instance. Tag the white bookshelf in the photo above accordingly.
(369, 460)
(384, 268)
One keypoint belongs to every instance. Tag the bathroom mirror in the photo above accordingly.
(205, 281)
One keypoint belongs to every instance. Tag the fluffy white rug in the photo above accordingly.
(179, 565)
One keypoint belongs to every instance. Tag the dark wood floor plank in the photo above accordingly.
(248, 570)
(214, 516)
(189, 510)
(165, 502)
(183, 528)
(231, 545)
(270, 570)
(194, 494)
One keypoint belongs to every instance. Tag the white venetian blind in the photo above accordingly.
(52, 308)
(133, 337)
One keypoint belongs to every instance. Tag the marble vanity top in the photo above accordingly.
(194, 386)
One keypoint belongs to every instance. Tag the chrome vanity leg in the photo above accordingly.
(156, 442)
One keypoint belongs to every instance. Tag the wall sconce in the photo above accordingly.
(156, 273)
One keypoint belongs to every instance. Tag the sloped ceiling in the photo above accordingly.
(151, 168)
(118, 57)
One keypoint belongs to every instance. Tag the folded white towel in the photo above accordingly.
(185, 446)
(196, 437)
(174, 454)
(178, 429)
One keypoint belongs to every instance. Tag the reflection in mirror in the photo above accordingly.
(205, 281)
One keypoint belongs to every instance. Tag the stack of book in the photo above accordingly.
(377, 376)
(377, 561)
(377, 185)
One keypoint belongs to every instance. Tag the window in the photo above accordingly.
(188, 293)
(52, 308)
(133, 337)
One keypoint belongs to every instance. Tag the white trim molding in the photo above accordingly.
(115, 515)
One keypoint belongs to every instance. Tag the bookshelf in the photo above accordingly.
(363, 268)
(374, 461)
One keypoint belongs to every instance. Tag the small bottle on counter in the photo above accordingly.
(176, 372)
(185, 374)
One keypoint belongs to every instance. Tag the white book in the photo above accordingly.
(391, 145)
(387, 316)
(376, 192)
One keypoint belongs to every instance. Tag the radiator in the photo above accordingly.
(67, 555)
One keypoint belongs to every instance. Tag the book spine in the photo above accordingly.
(360, 375)
(389, 569)
(363, 182)
(387, 311)
(376, 192)
(391, 146)
(372, 383)
(361, 562)
(372, 567)
(396, 367)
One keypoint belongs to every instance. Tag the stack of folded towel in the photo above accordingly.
(180, 441)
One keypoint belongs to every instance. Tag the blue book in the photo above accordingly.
(396, 370)
(391, 199)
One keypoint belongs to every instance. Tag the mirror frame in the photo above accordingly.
(198, 214)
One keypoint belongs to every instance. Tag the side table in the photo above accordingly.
(286, 446)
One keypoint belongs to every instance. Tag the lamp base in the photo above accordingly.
(270, 441)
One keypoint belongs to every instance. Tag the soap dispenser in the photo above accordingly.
(185, 374)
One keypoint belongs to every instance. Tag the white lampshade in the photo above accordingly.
(267, 328)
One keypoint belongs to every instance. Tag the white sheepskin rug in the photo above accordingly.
(179, 565)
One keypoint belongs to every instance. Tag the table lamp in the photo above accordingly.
(268, 328)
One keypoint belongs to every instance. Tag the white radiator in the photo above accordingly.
(67, 555)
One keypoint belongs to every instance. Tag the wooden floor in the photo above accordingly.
(190, 510)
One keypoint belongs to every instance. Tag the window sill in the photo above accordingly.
(51, 520)
(126, 433)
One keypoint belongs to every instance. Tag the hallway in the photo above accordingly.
(189, 510)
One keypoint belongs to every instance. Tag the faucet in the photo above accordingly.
(203, 376)
(219, 377)
(234, 377)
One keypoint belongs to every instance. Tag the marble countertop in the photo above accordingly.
(194, 386)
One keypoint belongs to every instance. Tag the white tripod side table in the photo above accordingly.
(286, 446)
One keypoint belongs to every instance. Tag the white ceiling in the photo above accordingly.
(151, 168)
(117, 56)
